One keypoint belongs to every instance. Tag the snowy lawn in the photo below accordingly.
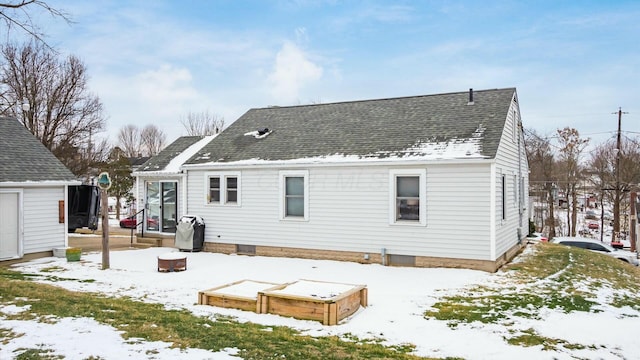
(552, 304)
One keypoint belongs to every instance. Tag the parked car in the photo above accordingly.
(597, 246)
(536, 237)
(131, 222)
(593, 225)
(591, 214)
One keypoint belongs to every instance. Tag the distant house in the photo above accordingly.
(33, 191)
(435, 180)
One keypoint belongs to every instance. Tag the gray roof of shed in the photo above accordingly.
(160, 161)
(23, 158)
(369, 129)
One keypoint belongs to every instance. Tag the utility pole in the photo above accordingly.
(618, 191)
(634, 217)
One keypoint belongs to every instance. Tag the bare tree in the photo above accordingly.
(604, 177)
(57, 106)
(542, 165)
(202, 123)
(129, 141)
(571, 148)
(17, 14)
(153, 139)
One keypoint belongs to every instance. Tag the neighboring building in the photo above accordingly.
(136, 162)
(33, 192)
(436, 180)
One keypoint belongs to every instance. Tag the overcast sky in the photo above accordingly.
(574, 63)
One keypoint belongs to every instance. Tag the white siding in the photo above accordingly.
(42, 231)
(349, 211)
(511, 161)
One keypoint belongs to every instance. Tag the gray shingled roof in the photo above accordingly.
(23, 157)
(368, 129)
(160, 161)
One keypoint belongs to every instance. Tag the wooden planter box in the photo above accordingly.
(241, 295)
(313, 300)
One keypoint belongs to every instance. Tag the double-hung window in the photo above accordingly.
(223, 188)
(294, 195)
(407, 200)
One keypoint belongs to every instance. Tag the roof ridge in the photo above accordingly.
(379, 99)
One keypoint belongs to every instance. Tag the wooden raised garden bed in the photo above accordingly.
(241, 295)
(313, 300)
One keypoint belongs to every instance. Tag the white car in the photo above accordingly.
(598, 246)
(536, 237)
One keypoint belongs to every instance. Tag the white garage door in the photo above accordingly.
(9, 226)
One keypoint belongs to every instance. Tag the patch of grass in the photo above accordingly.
(152, 322)
(530, 337)
(36, 354)
(52, 269)
(14, 275)
(7, 335)
(552, 276)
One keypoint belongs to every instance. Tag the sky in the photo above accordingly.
(397, 300)
(573, 63)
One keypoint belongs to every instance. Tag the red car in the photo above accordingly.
(594, 225)
(131, 222)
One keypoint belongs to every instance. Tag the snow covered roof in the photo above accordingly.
(169, 160)
(430, 127)
(23, 158)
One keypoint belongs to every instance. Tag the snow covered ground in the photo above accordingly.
(397, 299)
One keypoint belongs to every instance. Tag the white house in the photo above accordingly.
(33, 192)
(435, 180)
(160, 184)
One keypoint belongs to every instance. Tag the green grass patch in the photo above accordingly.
(152, 322)
(552, 276)
(36, 354)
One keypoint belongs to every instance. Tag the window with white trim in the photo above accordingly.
(294, 195)
(223, 188)
(407, 200)
(231, 190)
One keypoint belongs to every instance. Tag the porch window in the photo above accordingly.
(294, 192)
(407, 196)
(223, 188)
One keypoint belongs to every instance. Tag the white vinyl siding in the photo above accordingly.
(511, 159)
(42, 230)
(348, 210)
